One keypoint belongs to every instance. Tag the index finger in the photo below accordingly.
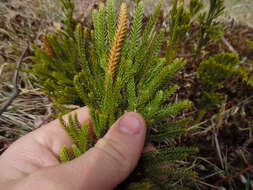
(53, 136)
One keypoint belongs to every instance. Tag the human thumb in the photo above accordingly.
(111, 160)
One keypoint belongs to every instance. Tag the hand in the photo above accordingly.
(32, 162)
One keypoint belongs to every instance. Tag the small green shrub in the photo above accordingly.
(182, 18)
(210, 28)
(56, 67)
(217, 69)
(68, 9)
(179, 24)
(213, 73)
(247, 75)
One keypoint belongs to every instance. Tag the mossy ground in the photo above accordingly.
(225, 140)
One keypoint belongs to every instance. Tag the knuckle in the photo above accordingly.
(114, 152)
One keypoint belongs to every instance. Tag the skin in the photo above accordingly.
(32, 162)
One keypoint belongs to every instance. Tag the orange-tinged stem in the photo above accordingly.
(118, 40)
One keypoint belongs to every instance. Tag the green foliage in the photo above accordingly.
(247, 75)
(68, 9)
(113, 71)
(141, 186)
(65, 155)
(79, 135)
(195, 6)
(182, 18)
(250, 44)
(213, 73)
(56, 67)
(217, 69)
(111, 21)
(179, 24)
(210, 28)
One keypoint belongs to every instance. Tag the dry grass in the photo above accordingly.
(241, 9)
(21, 23)
(232, 158)
(25, 112)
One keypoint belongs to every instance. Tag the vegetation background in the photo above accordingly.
(225, 140)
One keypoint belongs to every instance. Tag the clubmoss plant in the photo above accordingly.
(179, 24)
(70, 23)
(114, 69)
(210, 28)
(247, 75)
(182, 18)
(56, 67)
(213, 73)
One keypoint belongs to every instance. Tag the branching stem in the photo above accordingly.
(16, 90)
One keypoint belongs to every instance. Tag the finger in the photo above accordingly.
(38, 149)
(111, 160)
(53, 136)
